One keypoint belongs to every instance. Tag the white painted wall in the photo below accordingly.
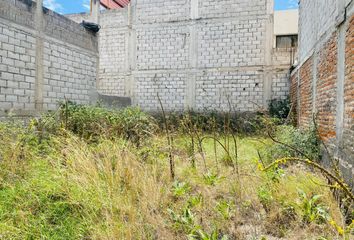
(286, 22)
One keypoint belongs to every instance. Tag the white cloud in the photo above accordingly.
(53, 5)
(86, 4)
(293, 3)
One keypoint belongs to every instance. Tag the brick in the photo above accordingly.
(7, 76)
(326, 89)
(306, 81)
(11, 98)
(5, 105)
(324, 26)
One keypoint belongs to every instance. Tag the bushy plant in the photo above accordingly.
(195, 200)
(209, 121)
(279, 108)
(304, 140)
(91, 122)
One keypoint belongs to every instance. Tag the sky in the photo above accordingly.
(285, 4)
(76, 6)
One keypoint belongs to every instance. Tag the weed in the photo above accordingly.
(292, 142)
(184, 221)
(265, 197)
(202, 235)
(85, 172)
(211, 178)
(312, 209)
(169, 140)
(276, 174)
(225, 209)
(227, 160)
(180, 189)
(194, 201)
(150, 154)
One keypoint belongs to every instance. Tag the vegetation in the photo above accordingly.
(279, 108)
(93, 173)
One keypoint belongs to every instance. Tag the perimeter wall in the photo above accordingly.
(44, 58)
(193, 54)
(322, 86)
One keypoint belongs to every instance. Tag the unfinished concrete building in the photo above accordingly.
(194, 54)
(44, 58)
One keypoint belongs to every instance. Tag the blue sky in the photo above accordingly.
(285, 4)
(76, 6)
(67, 6)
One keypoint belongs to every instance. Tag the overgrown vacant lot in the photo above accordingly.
(91, 173)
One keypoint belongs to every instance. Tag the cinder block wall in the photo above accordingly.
(44, 58)
(192, 53)
(323, 83)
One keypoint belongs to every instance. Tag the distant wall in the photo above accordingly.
(323, 83)
(286, 22)
(192, 53)
(44, 58)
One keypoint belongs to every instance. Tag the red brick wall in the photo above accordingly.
(305, 101)
(349, 80)
(340, 141)
(326, 95)
(347, 151)
(326, 87)
(293, 95)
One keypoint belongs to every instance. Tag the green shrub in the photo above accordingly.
(92, 122)
(279, 108)
(209, 121)
(306, 141)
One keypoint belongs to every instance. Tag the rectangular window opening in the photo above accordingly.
(286, 41)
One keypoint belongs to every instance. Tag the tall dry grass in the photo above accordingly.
(121, 196)
(67, 186)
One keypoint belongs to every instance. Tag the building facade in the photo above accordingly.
(192, 54)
